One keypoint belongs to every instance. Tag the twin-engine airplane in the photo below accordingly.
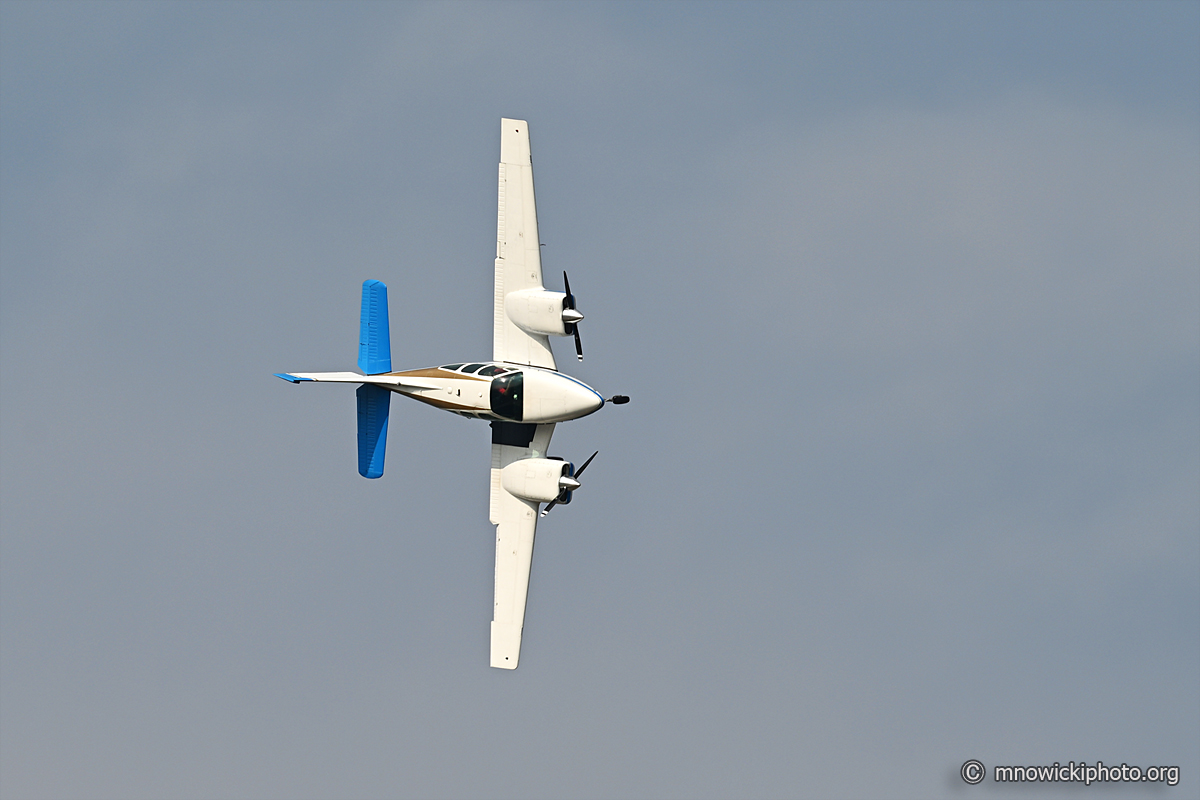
(520, 390)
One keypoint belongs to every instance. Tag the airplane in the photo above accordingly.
(520, 390)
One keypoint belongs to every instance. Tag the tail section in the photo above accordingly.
(374, 358)
(374, 396)
(374, 338)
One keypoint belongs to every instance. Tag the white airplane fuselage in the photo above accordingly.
(497, 391)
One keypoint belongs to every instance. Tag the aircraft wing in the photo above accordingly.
(516, 522)
(518, 249)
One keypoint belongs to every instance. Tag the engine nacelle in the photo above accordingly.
(537, 479)
(537, 311)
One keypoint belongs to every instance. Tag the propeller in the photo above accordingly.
(569, 483)
(571, 317)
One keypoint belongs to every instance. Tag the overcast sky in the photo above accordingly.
(906, 297)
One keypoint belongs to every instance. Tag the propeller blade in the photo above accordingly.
(579, 471)
(571, 316)
(574, 479)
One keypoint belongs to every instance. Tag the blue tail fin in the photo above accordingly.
(374, 338)
(373, 404)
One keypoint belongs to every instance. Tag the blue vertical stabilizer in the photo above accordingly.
(373, 405)
(374, 338)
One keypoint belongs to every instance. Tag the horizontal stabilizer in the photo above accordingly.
(374, 338)
(374, 403)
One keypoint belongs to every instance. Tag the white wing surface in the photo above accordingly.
(518, 249)
(516, 522)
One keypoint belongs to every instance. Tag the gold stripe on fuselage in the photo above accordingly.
(436, 372)
(439, 403)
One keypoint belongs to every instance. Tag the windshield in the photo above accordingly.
(507, 393)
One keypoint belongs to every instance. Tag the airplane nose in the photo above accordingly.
(584, 400)
(554, 397)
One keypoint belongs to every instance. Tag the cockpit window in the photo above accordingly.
(507, 396)
(491, 370)
(469, 368)
(452, 367)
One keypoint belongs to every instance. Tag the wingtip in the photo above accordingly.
(514, 141)
(290, 378)
(506, 645)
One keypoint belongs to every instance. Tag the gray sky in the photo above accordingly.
(907, 298)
